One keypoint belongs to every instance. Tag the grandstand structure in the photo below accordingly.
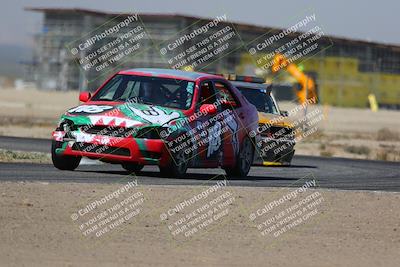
(345, 70)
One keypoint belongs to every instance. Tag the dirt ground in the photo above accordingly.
(344, 132)
(349, 229)
(32, 113)
(351, 133)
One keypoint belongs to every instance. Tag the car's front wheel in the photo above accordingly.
(61, 162)
(177, 166)
(132, 167)
(244, 160)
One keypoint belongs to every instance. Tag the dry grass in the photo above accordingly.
(383, 155)
(326, 153)
(19, 156)
(360, 150)
(385, 134)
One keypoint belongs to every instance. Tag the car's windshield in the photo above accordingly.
(260, 98)
(171, 93)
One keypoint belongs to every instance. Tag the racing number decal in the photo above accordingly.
(151, 112)
(214, 136)
(234, 127)
(155, 115)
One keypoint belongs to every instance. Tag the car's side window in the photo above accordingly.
(226, 95)
(207, 93)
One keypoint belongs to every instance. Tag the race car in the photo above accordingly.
(276, 134)
(170, 118)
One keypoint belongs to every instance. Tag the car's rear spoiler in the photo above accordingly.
(241, 78)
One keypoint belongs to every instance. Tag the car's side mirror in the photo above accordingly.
(284, 113)
(208, 109)
(84, 96)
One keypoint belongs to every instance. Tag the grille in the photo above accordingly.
(275, 131)
(100, 149)
(112, 131)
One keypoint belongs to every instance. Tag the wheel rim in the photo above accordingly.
(181, 162)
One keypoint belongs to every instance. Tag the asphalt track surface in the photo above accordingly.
(333, 173)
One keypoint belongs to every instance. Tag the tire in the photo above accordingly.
(132, 167)
(244, 160)
(69, 163)
(286, 159)
(177, 166)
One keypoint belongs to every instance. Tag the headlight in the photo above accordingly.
(65, 125)
(59, 123)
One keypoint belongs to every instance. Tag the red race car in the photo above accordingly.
(170, 118)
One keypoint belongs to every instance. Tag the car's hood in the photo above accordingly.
(122, 114)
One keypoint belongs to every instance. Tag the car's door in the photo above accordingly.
(232, 121)
(207, 127)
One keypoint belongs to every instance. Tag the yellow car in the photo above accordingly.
(275, 134)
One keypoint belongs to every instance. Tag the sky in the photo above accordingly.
(377, 21)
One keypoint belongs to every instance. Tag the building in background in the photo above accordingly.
(345, 71)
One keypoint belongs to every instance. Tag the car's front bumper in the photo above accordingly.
(112, 149)
(274, 151)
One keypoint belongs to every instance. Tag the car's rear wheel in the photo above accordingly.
(286, 159)
(244, 160)
(132, 167)
(61, 162)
